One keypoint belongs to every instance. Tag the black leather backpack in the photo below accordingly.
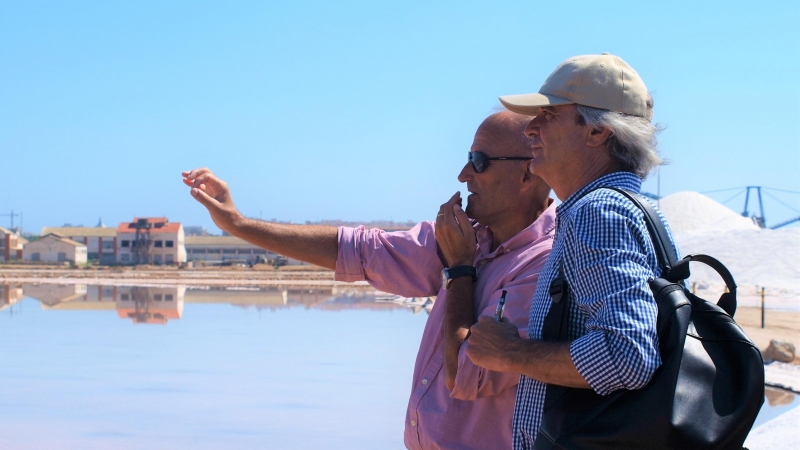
(707, 392)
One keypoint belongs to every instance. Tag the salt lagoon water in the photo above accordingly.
(221, 368)
(321, 370)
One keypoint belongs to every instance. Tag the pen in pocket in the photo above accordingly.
(498, 314)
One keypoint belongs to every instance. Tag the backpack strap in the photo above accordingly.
(665, 251)
(677, 271)
(556, 323)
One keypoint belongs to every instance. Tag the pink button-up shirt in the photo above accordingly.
(477, 413)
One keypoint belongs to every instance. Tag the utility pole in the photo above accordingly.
(761, 221)
(12, 215)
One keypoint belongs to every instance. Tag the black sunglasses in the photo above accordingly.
(480, 161)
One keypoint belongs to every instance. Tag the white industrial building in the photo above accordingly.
(222, 249)
(100, 242)
(53, 248)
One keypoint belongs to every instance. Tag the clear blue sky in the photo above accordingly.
(361, 110)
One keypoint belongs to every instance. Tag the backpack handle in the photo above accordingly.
(727, 301)
(673, 270)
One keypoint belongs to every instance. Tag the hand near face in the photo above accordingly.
(489, 340)
(454, 234)
(214, 194)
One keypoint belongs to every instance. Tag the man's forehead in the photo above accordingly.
(496, 137)
(557, 108)
(551, 109)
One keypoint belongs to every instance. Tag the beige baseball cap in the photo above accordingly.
(600, 81)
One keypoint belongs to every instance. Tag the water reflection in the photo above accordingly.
(778, 401)
(160, 304)
(778, 397)
(149, 304)
(9, 295)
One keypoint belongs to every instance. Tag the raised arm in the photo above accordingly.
(310, 243)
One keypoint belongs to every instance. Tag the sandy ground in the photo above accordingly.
(780, 325)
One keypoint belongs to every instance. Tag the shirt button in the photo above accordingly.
(413, 423)
(425, 381)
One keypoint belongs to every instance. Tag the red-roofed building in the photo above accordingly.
(150, 240)
(10, 245)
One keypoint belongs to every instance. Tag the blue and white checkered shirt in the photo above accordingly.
(608, 259)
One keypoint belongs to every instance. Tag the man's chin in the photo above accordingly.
(535, 167)
(470, 209)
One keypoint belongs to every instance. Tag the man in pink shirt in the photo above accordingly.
(454, 404)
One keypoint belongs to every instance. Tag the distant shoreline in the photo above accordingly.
(171, 276)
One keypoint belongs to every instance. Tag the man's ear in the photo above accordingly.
(597, 137)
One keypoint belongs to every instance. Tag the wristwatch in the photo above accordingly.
(451, 273)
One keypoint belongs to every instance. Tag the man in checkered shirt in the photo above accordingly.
(592, 129)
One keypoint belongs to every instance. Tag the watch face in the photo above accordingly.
(444, 278)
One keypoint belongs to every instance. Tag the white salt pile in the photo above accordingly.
(755, 256)
(777, 434)
(765, 257)
(690, 211)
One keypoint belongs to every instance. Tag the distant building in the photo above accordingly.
(224, 248)
(55, 248)
(150, 240)
(230, 248)
(11, 245)
(100, 242)
(196, 230)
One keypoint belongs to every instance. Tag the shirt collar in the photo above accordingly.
(621, 180)
(545, 224)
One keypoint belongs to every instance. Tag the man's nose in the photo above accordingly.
(532, 129)
(466, 173)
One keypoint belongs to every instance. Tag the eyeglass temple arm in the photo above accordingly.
(517, 158)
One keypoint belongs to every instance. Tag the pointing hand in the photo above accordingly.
(213, 193)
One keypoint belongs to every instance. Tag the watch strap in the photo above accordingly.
(461, 271)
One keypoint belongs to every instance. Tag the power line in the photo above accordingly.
(783, 190)
(721, 190)
(784, 204)
(736, 195)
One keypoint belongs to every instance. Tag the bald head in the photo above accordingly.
(508, 130)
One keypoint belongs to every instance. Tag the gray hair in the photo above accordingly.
(633, 142)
